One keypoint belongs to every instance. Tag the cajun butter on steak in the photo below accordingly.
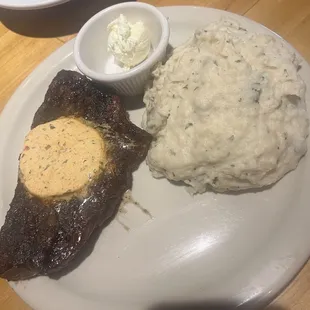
(45, 228)
(61, 157)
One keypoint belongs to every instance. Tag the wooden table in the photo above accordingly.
(29, 37)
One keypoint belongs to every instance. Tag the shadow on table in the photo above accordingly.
(56, 21)
(216, 305)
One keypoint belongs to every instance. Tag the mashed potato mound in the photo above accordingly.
(227, 111)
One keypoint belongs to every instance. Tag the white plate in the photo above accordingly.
(29, 4)
(241, 249)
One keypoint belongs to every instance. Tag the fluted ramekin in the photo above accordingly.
(90, 48)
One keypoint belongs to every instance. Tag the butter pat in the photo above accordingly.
(128, 43)
(61, 157)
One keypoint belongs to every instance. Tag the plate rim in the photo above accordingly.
(291, 273)
(33, 6)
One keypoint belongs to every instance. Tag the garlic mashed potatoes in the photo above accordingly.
(227, 111)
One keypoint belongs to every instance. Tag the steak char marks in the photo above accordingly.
(42, 236)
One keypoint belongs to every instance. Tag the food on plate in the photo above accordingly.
(60, 146)
(76, 164)
(129, 43)
(227, 111)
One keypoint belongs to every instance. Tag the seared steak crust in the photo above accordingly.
(41, 237)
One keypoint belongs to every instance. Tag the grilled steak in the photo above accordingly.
(42, 236)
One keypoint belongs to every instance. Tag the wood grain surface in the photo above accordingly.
(27, 37)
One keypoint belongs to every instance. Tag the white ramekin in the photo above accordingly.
(90, 48)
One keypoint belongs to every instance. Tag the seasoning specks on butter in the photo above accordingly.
(61, 157)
